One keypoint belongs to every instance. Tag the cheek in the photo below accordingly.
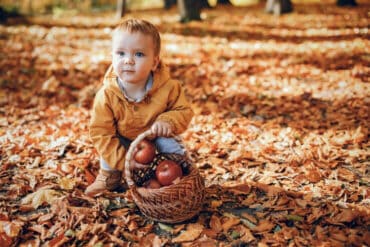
(116, 66)
(117, 62)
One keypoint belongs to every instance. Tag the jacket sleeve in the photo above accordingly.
(103, 132)
(179, 112)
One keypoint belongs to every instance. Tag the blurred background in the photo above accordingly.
(31, 7)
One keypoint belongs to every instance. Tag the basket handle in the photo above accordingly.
(129, 157)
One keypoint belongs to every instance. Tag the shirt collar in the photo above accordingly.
(148, 86)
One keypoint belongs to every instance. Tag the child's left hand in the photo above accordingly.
(162, 128)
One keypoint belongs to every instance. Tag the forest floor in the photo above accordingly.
(280, 133)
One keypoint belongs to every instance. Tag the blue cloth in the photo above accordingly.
(163, 145)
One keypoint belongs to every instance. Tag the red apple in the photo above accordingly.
(167, 171)
(152, 184)
(145, 152)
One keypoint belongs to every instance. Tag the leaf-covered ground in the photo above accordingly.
(281, 132)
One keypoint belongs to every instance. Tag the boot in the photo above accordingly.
(106, 180)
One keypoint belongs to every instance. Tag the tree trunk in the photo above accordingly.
(279, 6)
(346, 3)
(3, 15)
(204, 4)
(169, 3)
(121, 8)
(223, 2)
(189, 10)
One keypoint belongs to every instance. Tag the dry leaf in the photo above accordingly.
(285, 117)
(192, 232)
(263, 226)
(50, 85)
(346, 215)
(230, 222)
(313, 175)
(249, 217)
(247, 236)
(67, 183)
(346, 175)
(10, 228)
(41, 196)
(215, 223)
(216, 204)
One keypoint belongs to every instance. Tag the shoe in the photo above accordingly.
(106, 180)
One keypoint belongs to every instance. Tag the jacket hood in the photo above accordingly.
(160, 76)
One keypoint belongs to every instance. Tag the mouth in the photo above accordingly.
(128, 70)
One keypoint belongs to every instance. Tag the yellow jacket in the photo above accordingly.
(113, 114)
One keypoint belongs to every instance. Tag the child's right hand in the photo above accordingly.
(162, 128)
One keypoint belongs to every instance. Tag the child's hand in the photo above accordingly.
(162, 128)
(137, 166)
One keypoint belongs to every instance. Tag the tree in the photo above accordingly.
(6, 13)
(205, 4)
(223, 2)
(346, 3)
(279, 6)
(169, 3)
(3, 15)
(189, 10)
(121, 8)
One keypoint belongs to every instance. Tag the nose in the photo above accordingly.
(128, 60)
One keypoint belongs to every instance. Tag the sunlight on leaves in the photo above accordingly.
(41, 196)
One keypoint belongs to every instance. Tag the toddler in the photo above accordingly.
(137, 94)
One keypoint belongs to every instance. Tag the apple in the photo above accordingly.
(168, 171)
(145, 152)
(152, 184)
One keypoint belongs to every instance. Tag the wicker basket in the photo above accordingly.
(170, 204)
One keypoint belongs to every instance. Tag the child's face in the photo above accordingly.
(133, 56)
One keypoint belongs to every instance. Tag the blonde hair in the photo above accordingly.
(142, 26)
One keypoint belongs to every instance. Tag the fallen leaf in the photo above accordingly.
(346, 175)
(192, 232)
(41, 196)
(263, 226)
(67, 183)
(346, 215)
(215, 223)
(11, 228)
(249, 217)
(90, 178)
(313, 175)
(5, 240)
(230, 222)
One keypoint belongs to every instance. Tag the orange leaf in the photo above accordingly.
(263, 226)
(58, 241)
(90, 178)
(346, 215)
(5, 240)
(313, 175)
(230, 222)
(192, 232)
(346, 175)
(215, 223)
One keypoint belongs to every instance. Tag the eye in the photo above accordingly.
(139, 54)
(121, 53)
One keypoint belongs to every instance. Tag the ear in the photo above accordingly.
(155, 63)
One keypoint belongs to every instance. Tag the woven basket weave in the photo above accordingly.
(170, 204)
